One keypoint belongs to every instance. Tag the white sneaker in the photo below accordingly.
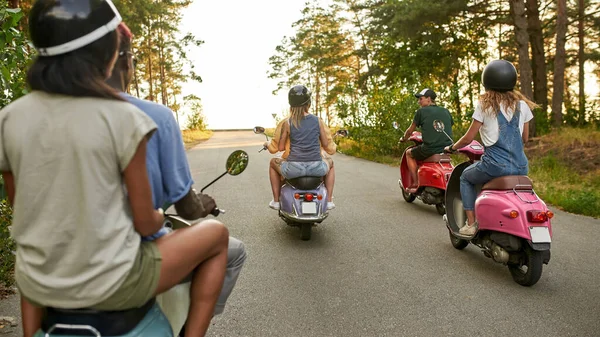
(274, 205)
(330, 205)
(467, 230)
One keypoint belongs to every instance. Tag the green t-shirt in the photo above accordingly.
(433, 141)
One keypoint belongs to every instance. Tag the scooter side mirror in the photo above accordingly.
(439, 126)
(342, 133)
(237, 162)
(258, 129)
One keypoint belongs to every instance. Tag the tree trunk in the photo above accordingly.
(470, 81)
(327, 100)
(536, 39)
(317, 95)
(161, 64)
(581, 61)
(517, 8)
(137, 85)
(456, 94)
(559, 62)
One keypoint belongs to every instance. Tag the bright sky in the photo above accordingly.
(239, 36)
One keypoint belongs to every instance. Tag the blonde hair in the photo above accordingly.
(297, 114)
(491, 100)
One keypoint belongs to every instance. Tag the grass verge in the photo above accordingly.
(564, 165)
(192, 138)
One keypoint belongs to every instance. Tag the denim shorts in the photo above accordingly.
(295, 169)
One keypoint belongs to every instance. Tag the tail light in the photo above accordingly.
(308, 197)
(537, 216)
(319, 197)
(550, 214)
(297, 196)
(436, 176)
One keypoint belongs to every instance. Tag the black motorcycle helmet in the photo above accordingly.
(62, 26)
(499, 75)
(299, 95)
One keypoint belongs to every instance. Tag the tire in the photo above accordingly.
(457, 243)
(305, 231)
(533, 260)
(408, 197)
(440, 208)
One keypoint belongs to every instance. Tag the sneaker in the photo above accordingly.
(467, 230)
(330, 205)
(274, 205)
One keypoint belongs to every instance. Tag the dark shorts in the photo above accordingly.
(419, 153)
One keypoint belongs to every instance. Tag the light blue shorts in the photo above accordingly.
(295, 169)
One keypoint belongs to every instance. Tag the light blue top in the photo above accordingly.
(166, 160)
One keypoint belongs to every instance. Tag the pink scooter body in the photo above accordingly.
(514, 226)
(493, 212)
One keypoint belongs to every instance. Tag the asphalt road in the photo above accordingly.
(379, 266)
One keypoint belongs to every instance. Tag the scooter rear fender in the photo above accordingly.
(493, 212)
(291, 208)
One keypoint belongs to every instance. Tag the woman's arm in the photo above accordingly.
(9, 184)
(146, 219)
(525, 135)
(469, 136)
(285, 133)
(31, 316)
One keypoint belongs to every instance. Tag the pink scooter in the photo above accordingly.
(514, 223)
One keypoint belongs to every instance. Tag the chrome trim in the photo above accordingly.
(72, 327)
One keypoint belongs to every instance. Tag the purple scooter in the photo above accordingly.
(303, 200)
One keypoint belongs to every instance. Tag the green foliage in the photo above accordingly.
(14, 55)
(196, 121)
(7, 245)
(557, 184)
(162, 58)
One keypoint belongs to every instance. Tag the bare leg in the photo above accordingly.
(470, 217)
(412, 169)
(275, 177)
(202, 249)
(31, 317)
(330, 179)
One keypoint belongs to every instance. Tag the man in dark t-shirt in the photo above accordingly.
(433, 141)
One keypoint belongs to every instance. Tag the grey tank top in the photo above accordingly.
(305, 144)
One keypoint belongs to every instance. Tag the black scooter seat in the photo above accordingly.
(108, 323)
(305, 183)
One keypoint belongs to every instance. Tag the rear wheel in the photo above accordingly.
(305, 231)
(529, 270)
(440, 208)
(409, 197)
(457, 243)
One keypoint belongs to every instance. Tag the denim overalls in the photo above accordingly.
(505, 157)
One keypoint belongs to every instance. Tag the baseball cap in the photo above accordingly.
(427, 93)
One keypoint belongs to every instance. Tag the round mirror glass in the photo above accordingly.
(237, 162)
(438, 125)
(259, 129)
(342, 133)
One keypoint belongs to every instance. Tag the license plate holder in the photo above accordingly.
(540, 234)
(309, 208)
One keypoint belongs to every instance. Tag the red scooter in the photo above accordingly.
(433, 175)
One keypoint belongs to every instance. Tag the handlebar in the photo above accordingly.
(216, 212)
